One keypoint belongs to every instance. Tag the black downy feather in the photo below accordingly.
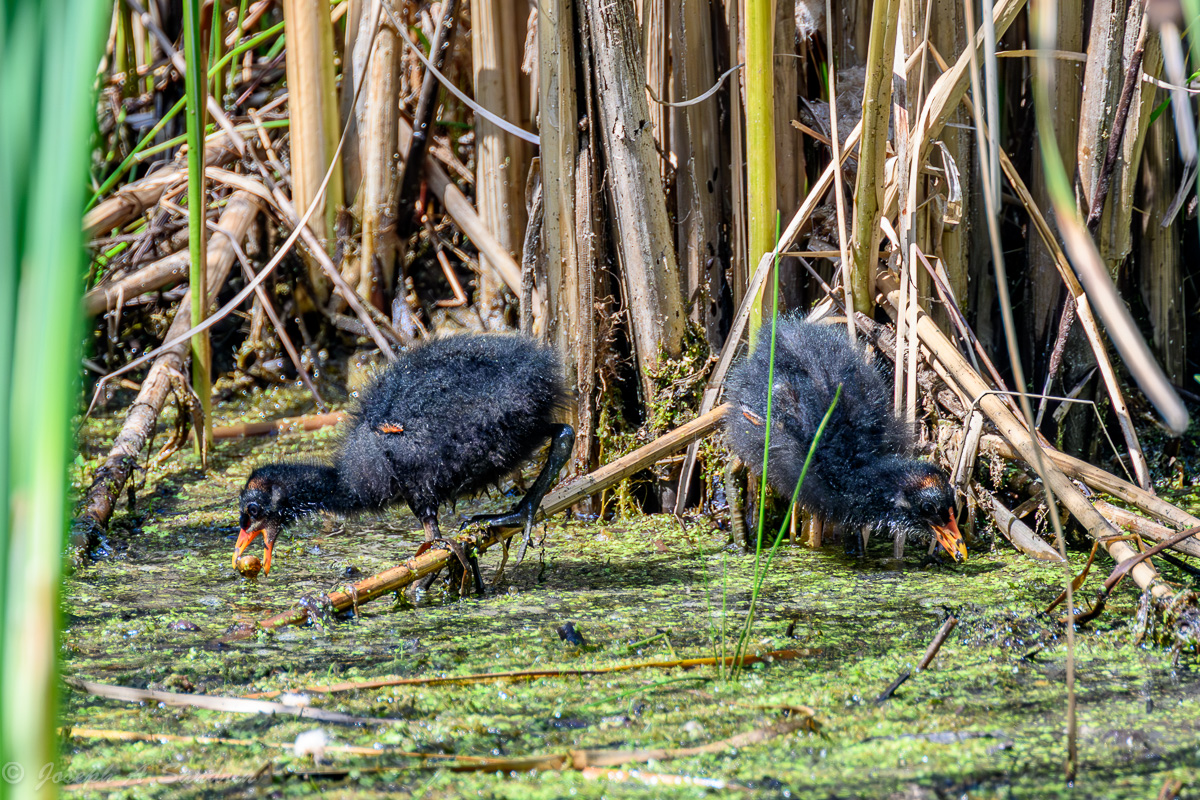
(862, 472)
(449, 418)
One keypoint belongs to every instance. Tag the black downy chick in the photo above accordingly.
(862, 472)
(446, 420)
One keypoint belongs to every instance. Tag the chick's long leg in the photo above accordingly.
(562, 441)
(468, 561)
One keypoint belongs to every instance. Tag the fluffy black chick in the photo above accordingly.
(862, 472)
(446, 420)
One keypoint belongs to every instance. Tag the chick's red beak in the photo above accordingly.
(950, 539)
(244, 540)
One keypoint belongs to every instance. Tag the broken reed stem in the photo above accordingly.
(1100, 480)
(936, 645)
(1145, 527)
(1019, 535)
(930, 653)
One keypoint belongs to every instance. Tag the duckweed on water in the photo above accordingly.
(985, 720)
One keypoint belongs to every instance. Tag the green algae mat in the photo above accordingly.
(985, 720)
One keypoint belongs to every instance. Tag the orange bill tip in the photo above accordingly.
(244, 540)
(951, 539)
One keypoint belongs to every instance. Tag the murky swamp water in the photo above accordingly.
(986, 720)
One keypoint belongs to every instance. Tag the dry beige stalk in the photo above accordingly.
(313, 110)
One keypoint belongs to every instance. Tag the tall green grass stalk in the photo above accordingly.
(760, 574)
(760, 137)
(197, 96)
(49, 53)
(215, 42)
(760, 568)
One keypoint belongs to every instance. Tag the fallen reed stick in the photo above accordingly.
(235, 705)
(132, 199)
(1145, 527)
(239, 212)
(1100, 480)
(1014, 530)
(274, 427)
(560, 499)
(578, 760)
(172, 738)
(161, 274)
(534, 674)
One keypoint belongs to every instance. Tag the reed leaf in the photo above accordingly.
(197, 95)
(48, 57)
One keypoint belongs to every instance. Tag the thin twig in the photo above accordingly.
(427, 105)
(930, 653)
(1116, 135)
(269, 307)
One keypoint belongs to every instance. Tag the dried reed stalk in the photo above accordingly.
(645, 241)
(313, 110)
(133, 199)
(558, 109)
(869, 188)
(499, 176)
(1015, 531)
(1145, 527)
(378, 137)
(1101, 480)
(701, 178)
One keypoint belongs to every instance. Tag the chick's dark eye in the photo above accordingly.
(254, 510)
